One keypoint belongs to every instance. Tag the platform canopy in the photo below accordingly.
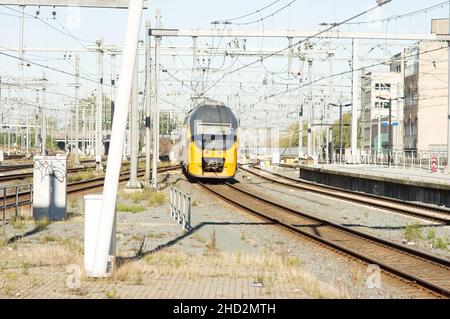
(120, 4)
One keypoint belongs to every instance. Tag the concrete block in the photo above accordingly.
(50, 187)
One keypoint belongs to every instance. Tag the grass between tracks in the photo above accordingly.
(151, 197)
(418, 233)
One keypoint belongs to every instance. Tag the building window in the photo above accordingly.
(382, 86)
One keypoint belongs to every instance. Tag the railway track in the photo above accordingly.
(28, 165)
(23, 175)
(415, 267)
(76, 187)
(441, 216)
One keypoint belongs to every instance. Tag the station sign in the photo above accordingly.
(387, 124)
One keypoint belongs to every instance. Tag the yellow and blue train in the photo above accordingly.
(209, 141)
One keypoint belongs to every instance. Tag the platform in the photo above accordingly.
(404, 184)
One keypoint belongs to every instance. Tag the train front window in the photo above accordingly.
(214, 136)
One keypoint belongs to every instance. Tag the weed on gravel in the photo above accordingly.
(130, 208)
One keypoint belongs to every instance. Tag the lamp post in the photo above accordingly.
(340, 126)
(390, 124)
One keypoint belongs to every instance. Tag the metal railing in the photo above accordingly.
(421, 160)
(10, 199)
(180, 208)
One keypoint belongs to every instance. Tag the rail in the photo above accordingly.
(414, 267)
(419, 210)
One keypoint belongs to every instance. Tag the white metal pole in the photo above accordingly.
(113, 85)
(156, 108)
(194, 64)
(379, 135)
(117, 137)
(77, 111)
(133, 183)
(447, 169)
(148, 96)
(2, 115)
(99, 117)
(291, 49)
(66, 127)
(331, 56)
(43, 114)
(83, 118)
(91, 128)
(22, 81)
(310, 109)
(300, 114)
(354, 123)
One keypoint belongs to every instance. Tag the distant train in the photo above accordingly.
(209, 141)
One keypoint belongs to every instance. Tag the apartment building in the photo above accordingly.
(376, 90)
(426, 96)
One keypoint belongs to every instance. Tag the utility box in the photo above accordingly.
(50, 187)
(92, 216)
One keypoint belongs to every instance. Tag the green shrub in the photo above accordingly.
(413, 232)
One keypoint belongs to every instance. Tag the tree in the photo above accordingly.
(167, 123)
(346, 132)
(290, 137)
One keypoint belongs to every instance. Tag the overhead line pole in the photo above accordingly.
(331, 56)
(43, 115)
(133, 183)
(22, 80)
(148, 96)
(77, 105)
(310, 109)
(99, 117)
(354, 126)
(110, 189)
(447, 169)
(156, 108)
(300, 115)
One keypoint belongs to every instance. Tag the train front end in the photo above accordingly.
(213, 146)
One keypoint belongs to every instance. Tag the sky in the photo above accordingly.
(88, 25)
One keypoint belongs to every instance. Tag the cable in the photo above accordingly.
(249, 14)
(176, 79)
(290, 46)
(50, 68)
(66, 32)
(347, 72)
(47, 24)
(410, 14)
(267, 16)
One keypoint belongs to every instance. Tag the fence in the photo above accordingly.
(180, 208)
(410, 159)
(11, 200)
(424, 160)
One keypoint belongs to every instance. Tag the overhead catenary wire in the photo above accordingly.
(347, 72)
(68, 34)
(267, 16)
(251, 13)
(51, 68)
(290, 46)
(405, 15)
